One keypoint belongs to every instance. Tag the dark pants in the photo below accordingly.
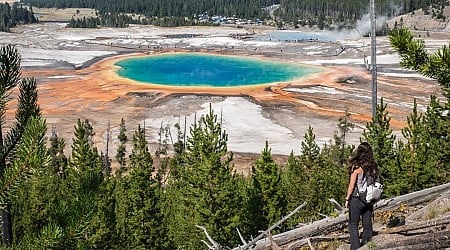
(358, 209)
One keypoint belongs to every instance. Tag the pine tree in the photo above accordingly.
(310, 151)
(27, 109)
(295, 183)
(142, 226)
(121, 149)
(56, 151)
(378, 134)
(33, 199)
(102, 228)
(140, 155)
(414, 151)
(267, 184)
(206, 187)
(84, 177)
(414, 56)
(340, 149)
(436, 120)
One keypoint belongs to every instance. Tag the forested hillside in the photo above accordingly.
(326, 14)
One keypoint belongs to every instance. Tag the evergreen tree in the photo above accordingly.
(84, 177)
(206, 188)
(436, 120)
(295, 183)
(102, 232)
(27, 109)
(121, 149)
(414, 56)
(140, 155)
(85, 162)
(268, 189)
(414, 152)
(142, 226)
(379, 134)
(340, 149)
(32, 200)
(309, 151)
(56, 151)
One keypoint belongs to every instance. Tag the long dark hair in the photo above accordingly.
(363, 157)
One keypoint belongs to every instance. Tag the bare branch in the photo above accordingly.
(337, 206)
(206, 243)
(260, 236)
(242, 238)
(215, 245)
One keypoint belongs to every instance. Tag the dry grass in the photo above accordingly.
(62, 15)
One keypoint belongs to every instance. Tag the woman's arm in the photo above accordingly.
(351, 184)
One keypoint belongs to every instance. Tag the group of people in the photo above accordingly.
(362, 165)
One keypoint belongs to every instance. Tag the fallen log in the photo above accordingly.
(433, 240)
(414, 198)
(429, 224)
(440, 204)
(301, 243)
(328, 225)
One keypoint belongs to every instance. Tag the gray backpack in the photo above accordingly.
(371, 189)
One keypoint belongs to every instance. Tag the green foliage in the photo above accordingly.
(16, 161)
(140, 156)
(414, 56)
(138, 202)
(121, 149)
(295, 183)
(56, 151)
(309, 151)
(31, 153)
(317, 174)
(340, 150)
(379, 134)
(205, 188)
(85, 168)
(426, 152)
(268, 197)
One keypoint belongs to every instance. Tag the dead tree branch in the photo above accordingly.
(214, 244)
(265, 233)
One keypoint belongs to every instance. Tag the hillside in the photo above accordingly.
(423, 24)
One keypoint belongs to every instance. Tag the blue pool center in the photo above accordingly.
(200, 69)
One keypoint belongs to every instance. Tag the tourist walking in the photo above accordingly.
(362, 165)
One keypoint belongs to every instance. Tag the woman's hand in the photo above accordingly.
(346, 203)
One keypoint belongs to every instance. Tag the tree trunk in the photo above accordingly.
(7, 235)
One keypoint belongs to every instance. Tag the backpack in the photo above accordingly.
(371, 189)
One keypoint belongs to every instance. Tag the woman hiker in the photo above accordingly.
(361, 164)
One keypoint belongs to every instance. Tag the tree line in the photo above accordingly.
(153, 201)
(10, 16)
(171, 8)
(326, 14)
(123, 21)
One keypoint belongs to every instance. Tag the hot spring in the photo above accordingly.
(197, 69)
